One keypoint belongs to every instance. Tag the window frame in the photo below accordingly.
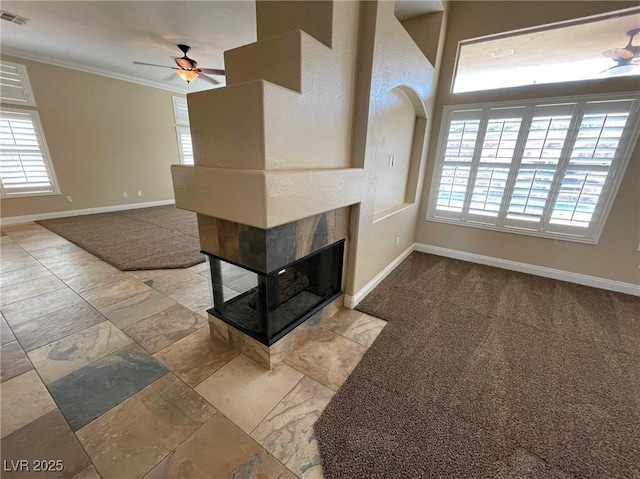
(25, 85)
(591, 234)
(181, 127)
(28, 107)
(590, 19)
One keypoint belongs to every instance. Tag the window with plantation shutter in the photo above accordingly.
(14, 84)
(546, 168)
(181, 114)
(25, 165)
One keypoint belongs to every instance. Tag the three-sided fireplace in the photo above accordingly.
(266, 306)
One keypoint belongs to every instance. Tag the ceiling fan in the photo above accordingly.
(187, 68)
(627, 56)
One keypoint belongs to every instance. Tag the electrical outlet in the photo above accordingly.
(125, 194)
(139, 193)
(69, 199)
(397, 240)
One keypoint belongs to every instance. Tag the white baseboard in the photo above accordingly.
(14, 220)
(352, 301)
(586, 280)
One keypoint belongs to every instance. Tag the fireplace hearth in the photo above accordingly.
(266, 306)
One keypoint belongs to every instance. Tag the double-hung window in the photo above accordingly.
(181, 114)
(546, 168)
(25, 164)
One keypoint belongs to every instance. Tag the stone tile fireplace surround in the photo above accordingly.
(239, 253)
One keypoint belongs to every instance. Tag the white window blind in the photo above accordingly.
(181, 114)
(25, 167)
(184, 145)
(14, 85)
(540, 168)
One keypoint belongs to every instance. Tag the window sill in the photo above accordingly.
(394, 210)
(508, 229)
(7, 196)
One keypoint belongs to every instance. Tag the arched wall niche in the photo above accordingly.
(403, 126)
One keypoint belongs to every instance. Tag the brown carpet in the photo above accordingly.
(146, 238)
(488, 373)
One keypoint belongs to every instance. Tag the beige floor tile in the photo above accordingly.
(245, 392)
(89, 473)
(326, 357)
(24, 399)
(6, 335)
(103, 296)
(62, 357)
(195, 297)
(12, 229)
(76, 258)
(147, 274)
(197, 356)
(199, 268)
(4, 239)
(40, 240)
(52, 327)
(133, 437)
(164, 328)
(48, 437)
(86, 282)
(54, 251)
(287, 432)
(169, 281)
(130, 311)
(18, 263)
(287, 474)
(32, 308)
(65, 271)
(219, 449)
(13, 361)
(36, 287)
(360, 327)
(22, 275)
(10, 251)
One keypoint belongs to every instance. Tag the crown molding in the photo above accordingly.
(17, 53)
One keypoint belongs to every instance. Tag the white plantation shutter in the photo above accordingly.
(180, 110)
(14, 84)
(534, 168)
(181, 114)
(540, 157)
(592, 157)
(184, 144)
(25, 168)
(495, 157)
(458, 155)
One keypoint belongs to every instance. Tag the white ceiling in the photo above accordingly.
(107, 37)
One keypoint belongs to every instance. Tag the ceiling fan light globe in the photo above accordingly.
(187, 75)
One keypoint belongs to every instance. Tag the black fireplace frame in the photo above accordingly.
(265, 339)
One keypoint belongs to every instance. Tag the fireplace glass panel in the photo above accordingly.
(267, 306)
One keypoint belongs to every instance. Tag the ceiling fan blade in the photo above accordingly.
(207, 78)
(212, 71)
(152, 65)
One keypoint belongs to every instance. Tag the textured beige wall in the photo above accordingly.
(105, 137)
(256, 124)
(389, 58)
(398, 122)
(615, 256)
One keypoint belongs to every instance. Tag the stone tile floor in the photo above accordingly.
(116, 375)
